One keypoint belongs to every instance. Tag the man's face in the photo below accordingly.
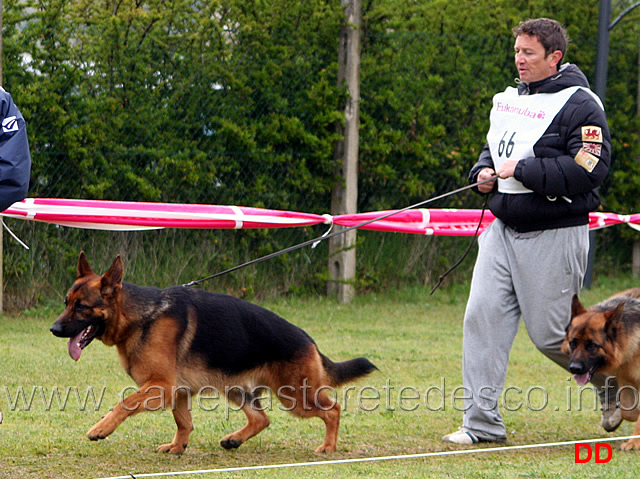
(532, 62)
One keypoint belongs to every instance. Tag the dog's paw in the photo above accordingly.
(96, 434)
(326, 449)
(101, 430)
(630, 445)
(172, 448)
(229, 443)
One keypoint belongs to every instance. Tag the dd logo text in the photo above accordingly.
(589, 452)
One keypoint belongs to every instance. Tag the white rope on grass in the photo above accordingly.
(373, 459)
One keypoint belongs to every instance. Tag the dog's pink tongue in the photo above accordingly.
(581, 379)
(74, 349)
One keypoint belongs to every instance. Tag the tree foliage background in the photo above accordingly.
(236, 102)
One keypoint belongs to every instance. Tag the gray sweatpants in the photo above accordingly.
(529, 275)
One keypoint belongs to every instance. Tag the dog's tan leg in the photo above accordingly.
(150, 397)
(309, 401)
(329, 412)
(310, 397)
(182, 416)
(257, 420)
(630, 411)
(633, 443)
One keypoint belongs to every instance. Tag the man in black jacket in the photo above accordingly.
(549, 145)
(15, 158)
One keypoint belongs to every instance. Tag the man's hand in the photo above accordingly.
(485, 174)
(507, 169)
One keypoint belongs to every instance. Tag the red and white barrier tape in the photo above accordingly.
(131, 216)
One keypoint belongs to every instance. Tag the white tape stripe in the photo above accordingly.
(28, 202)
(374, 459)
(426, 215)
(426, 219)
(238, 212)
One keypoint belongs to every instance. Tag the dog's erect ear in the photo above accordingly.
(614, 317)
(83, 266)
(112, 279)
(576, 306)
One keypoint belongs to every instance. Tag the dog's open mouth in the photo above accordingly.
(81, 341)
(583, 379)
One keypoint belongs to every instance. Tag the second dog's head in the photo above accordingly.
(88, 305)
(591, 339)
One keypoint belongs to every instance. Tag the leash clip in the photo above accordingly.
(328, 219)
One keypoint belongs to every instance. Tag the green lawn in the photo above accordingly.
(403, 409)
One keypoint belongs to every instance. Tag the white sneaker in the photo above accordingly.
(462, 436)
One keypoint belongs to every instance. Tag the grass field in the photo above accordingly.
(405, 408)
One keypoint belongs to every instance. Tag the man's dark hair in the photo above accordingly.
(550, 33)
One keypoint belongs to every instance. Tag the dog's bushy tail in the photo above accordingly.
(346, 371)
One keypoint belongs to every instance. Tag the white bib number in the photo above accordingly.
(517, 123)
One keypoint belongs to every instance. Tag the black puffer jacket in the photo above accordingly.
(564, 192)
(15, 158)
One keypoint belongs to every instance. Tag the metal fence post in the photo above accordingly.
(602, 60)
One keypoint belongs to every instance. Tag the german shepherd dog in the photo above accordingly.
(605, 338)
(176, 341)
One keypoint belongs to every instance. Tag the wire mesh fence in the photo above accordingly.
(211, 105)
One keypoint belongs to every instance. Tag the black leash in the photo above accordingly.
(466, 252)
(340, 232)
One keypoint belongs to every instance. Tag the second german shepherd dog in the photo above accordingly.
(176, 341)
(605, 338)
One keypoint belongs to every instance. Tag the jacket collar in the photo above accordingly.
(568, 75)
